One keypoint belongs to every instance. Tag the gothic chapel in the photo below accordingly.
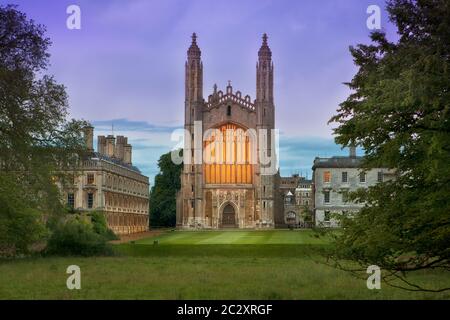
(230, 187)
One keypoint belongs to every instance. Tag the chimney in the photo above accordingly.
(110, 145)
(120, 144)
(101, 145)
(89, 138)
(127, 154)
(352, 151)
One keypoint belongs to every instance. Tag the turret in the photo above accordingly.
(89, 138)
(264, 73)
(193, 81)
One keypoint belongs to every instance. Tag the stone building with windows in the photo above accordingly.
(296, 192)
(106, 181)
(227, 188)
(333, 178)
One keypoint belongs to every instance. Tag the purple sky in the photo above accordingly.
(126, 64)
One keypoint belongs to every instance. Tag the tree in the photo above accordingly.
(399, 112)
(163, 193)
(37, 143)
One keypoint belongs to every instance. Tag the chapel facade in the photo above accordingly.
(230, 175)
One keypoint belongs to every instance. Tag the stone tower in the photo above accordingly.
(192, 172)
(233, 190)
(265, 109)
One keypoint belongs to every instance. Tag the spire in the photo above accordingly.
(264, 72)
(229, 87)
(194, 74)
(264, 51)
(194, 50)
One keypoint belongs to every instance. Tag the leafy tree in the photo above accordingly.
(37, 143)
(308, 213)
(100, 225)
(163, 193)
(399, 112)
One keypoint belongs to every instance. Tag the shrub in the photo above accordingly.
(101, 227)
(77, 237)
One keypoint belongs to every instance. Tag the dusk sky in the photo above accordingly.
(126, 64)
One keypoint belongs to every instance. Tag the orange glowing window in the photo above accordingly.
(327, 176)
(227, 154)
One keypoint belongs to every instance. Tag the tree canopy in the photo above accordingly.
(399, 113)
(37, 142)
(163, 193)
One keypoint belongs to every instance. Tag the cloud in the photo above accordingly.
(128, 125)
(297, 153)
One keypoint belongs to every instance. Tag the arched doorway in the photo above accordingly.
(228, 217)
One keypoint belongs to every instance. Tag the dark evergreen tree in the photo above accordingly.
(163, 193)
(399, 112)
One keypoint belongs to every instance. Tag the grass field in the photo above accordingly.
(285, 237)
(203, 265)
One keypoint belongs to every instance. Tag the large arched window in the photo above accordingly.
(227, 156)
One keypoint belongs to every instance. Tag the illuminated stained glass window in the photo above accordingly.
(227, 156)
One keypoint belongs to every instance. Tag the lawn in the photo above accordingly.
(203, 265)
(284, 237)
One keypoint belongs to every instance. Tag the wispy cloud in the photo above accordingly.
(297, 153)
(128, 125)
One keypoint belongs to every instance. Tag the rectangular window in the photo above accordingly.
(326, 197)
(380, 176)
(90, 178)
(71, 200)
(362, 177)
(327, 176)
(344, 177)
(192, 204)
(90, 200)
(326, 217)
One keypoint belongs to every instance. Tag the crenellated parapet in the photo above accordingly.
(219, 97)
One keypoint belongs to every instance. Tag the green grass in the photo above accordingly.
(235, 237)
(203, 265)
